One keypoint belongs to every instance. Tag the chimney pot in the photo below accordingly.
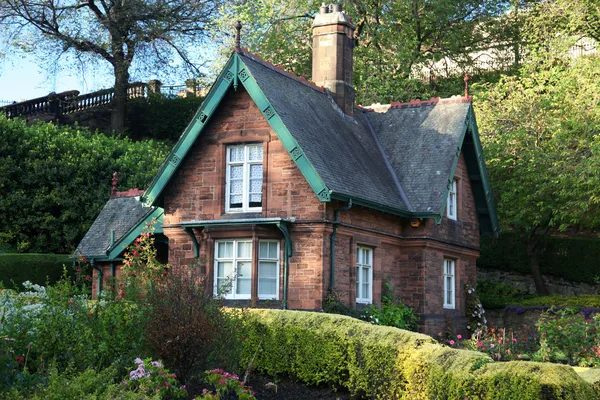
(323, 9)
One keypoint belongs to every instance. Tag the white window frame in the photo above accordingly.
(451, 204)
(449, 290)
(246, 163)
(232, 295)
(364, 298)
(276, 295)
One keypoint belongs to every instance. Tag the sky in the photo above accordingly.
(22, 79)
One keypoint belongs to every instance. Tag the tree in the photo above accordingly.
(540, 132)
(151, 32)
(393, 37)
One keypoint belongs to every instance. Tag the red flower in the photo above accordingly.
(83, 259)
(20, 359)
(88, 278)
(243, 338)
(70, 302)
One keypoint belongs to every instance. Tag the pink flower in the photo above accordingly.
(479, 343)
(459, 337)
(70, 302)
(520, 356)
(514, 340)
(452, 342)
(492, 346)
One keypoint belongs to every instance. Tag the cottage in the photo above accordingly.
(289, 188)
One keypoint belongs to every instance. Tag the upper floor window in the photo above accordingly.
(451, 206)
(244, 178)
(449, 283)
(364, 275)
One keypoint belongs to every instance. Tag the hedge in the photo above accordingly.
(386, 363)
(575, 259)
(36, 268)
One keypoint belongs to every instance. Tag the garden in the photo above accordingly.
(156, 333)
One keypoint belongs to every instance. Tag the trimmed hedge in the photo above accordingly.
(386, 363)
(36, 268)
(575, 259)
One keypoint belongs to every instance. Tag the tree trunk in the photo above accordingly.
(534, 263)
(119, 104)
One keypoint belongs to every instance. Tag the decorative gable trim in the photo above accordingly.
(156, 216)
(234, 73)
(484, 196)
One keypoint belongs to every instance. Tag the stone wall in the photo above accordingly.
(525, 284)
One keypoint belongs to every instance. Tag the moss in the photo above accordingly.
(386, 363)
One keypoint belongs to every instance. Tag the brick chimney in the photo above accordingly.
(333, 47)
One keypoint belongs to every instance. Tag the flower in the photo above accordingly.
(452, 342)
(138, 361)
(459, 337)
(514, 340)
(492, 346)
(156, 364)
(479, 343)
(69, 302)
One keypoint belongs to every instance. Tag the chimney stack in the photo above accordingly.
(333, 47)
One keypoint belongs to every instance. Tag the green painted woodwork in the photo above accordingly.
(235, 71)
(117, 249)
(482, 176)
(195, 243)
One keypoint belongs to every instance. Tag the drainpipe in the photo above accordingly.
(332, 245)
(99, 276)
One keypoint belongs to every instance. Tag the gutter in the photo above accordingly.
(100, 275)
(335, 223)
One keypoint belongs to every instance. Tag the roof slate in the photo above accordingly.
(418, 141)
(340, 148)
(119, 214)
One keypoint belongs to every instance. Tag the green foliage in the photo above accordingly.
(384, 362)
(474, 310)
(392, 39)
(575, 259)
(583, 301)
(160, 117)
(226, 385)
(333, 304)
(151, 378)
(391, 313)
(36, 268)
(565, 335)
(54, 181)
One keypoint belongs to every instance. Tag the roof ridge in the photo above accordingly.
(415, 103)
(134, 192)
(279, 69)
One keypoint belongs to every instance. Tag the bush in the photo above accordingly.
(566, 335)
(391, 313)
(384, 362)
(159, 117)
(187, 327)
(55, 180)
(36, 268)
(582, 301)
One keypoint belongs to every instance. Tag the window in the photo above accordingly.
(364, 275)
(244, 178)
(451, 206)
(449, 283)
(233, 269)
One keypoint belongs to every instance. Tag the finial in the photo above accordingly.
(238, 28)
(115, 183)
(467, 84)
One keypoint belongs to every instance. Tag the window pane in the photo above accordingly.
(365, 277)
(357, 281)
(267, 269)
(224, 269)
(236, 186)
(273, 250)
(267, 287)
(225, 250)
(236, 153)
(243, 286)
(244, 249)
(263, 249)
(256, 171)
(256, 185)
(365, 293)
(235, 201)
(255, 153)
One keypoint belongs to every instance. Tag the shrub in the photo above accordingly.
(384, 362)
(55, 180)
(568, 336)
(35, 268)
(391, 313)
(476, 320)
(333, 304)
(227, 385)
(505, 345)
(187, 327)
(151, 378)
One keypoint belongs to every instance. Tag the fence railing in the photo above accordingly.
(57, 104)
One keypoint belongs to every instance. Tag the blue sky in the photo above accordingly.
(21, 79)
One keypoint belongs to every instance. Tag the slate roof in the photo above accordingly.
(401, 158)
(120, 214)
